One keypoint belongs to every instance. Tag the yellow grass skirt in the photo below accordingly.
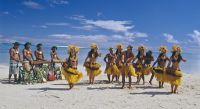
(128, 69)
(147, 70)
(120, 66)
(160, 74)
(138, 69)
(71, 75)
(93, 69)
(174, 77)
(112, 70)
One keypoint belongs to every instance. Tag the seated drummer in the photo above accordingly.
(14, 61)
(27, 53)
(39, 54)
(54, 55)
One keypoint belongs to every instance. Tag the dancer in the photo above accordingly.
(174, 73)
(147, 65)
(111, 67)
(69, 69)
(139, 64)
(160, 70)
(129, 71)
(119, 61)
(92, 67)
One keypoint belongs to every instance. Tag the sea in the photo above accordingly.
(191, 66)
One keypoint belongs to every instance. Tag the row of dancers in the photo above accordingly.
(121, 62)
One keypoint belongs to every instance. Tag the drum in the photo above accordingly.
(58, 61)
(26, 65)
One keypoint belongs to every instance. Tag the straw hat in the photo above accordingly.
(179, 49)
(73, 48)
(93, 45)
(142, 47)
(119, 46)
(174, 48)
(163, 49)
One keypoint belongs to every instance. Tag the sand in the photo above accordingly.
(101, 95)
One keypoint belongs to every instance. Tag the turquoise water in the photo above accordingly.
(191, 66)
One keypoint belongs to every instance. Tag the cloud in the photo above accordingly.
(61, 36)
(46, 25)
(43, 26)
(136, 34)
(195, 37)
(57, 24)
(117, 26)
(33, 5)
(53, 3)
(65, 39)
(85, 27)
(5, 13)
(99, 14)
(83, 38)
(21, 11)
(170, 38)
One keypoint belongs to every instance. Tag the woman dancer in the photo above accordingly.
(174, 74)
(119, 61)
(92, 67)
(69, 69)
(160, 70)
(139, 64)
(147, 68)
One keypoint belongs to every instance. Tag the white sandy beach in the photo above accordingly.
(55, 95)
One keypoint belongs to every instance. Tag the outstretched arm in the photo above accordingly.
(155, 63)
(184, 60)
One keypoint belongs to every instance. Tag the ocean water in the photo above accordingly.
(191, 66)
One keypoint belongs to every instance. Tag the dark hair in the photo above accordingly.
(161, 54)
(16, 43)
(27, 43)
(149, 53)
(138, 55)
(117, 52)
(179, 56)
(39, 45)
(92, 52)
(54, 47)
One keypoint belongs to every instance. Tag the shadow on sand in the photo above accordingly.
(43, 89)
(5, 81)
(151, 93)
(102, 88)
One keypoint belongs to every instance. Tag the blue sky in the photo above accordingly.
(106, 22)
